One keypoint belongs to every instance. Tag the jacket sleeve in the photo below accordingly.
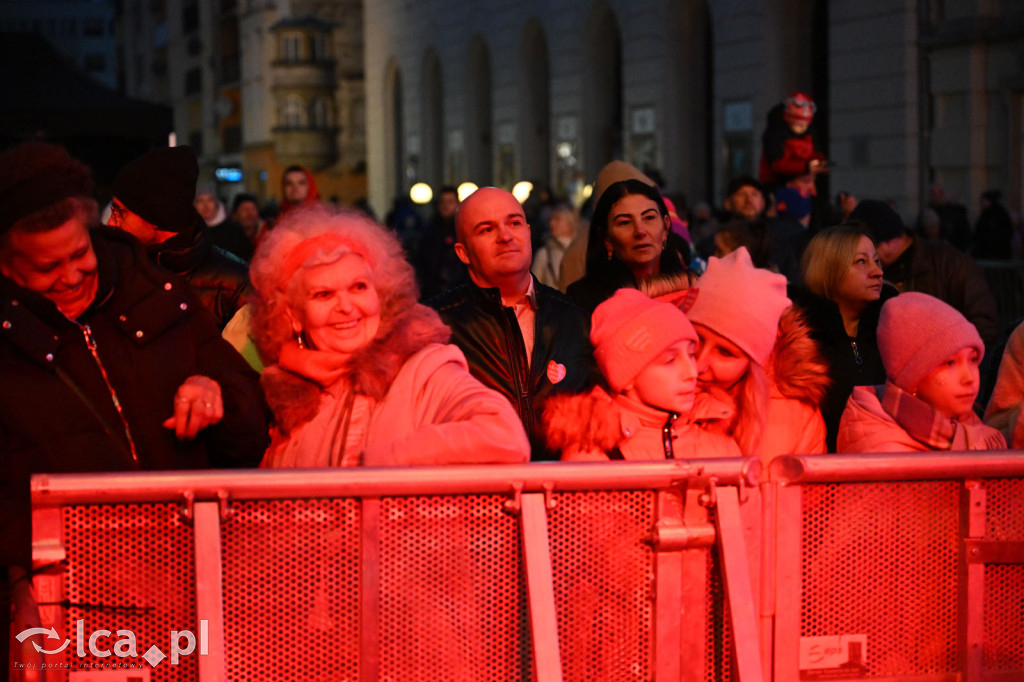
(1004, 407)
(460, 421)
(241, 437)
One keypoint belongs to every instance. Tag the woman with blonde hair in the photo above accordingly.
(843, 299)
(761, 376)
(358, 371)
(547, 261)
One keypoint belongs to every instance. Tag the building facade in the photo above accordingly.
(256, 86)
(909, 92)
(82, 30)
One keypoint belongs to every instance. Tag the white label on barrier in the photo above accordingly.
(833, 658)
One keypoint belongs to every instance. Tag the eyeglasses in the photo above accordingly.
(117, 213)
(801, 104)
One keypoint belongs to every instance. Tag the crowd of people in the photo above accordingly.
(629, 330)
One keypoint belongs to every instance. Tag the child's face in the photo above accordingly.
(668, 383)
(952, 387)
(720, 362)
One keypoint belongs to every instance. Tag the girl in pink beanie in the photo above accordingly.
(931, 355)
(761, 376)
(646, 352)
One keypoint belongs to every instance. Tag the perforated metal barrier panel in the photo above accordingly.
(329, 580)
(451, 598)
(292, 590)
(604, 584)
(1004, 583)
(129, 567)
(880, 559)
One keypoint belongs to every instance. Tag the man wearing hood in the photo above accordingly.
(153, 200)
(298, 188)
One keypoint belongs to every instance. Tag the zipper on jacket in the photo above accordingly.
(666, 435)
(525, 404)
(90, 342)
(856, 355)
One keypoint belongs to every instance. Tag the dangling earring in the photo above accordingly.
(663, 244)
(609, 254)
(298, 339)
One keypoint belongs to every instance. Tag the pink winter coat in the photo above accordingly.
(415, 402)
(589, 426)
(1004, 407)
(867, 427)
(797, 380)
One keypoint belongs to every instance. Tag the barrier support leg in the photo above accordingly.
(972, 583)
(736, 574)
(540, 588)
(209, 591)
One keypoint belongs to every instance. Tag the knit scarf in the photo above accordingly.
(938, 432)
(323, 367)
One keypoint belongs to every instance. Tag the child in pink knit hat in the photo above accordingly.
(931, 355)
(646, 352)
(761, 376)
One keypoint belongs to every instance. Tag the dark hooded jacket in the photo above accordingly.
(852, 362)
(219, 278)
(79, 394)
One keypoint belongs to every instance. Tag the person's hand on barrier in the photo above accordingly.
(197, 404)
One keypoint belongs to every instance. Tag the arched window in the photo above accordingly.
(534, 104)
(394, 130)
(293, 113)
(291, 48)
(479, 139)
(317, 47)
(319, 113)
(432, 134)
(602, 90)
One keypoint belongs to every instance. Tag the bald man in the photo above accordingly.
(521, 338)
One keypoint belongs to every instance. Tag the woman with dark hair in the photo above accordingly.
(628, 244)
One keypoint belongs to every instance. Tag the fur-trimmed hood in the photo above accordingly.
(294, 399)
(582, 422)
(590, 425)
(797, 368)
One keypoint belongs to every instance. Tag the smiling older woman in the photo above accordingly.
(360, 373)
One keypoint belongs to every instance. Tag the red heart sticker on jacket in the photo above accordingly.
(556, 372)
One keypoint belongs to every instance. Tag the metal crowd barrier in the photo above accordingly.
(897, 567)
(543, 571)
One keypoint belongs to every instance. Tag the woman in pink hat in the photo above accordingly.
(931, 355)
(761, 376)
(646, 350)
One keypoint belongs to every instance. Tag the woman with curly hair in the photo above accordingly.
(359, 372)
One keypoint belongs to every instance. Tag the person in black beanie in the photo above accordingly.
(937, 269)
(153, 200)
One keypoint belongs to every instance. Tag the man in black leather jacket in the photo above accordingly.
(520, 337)
(153, 200)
